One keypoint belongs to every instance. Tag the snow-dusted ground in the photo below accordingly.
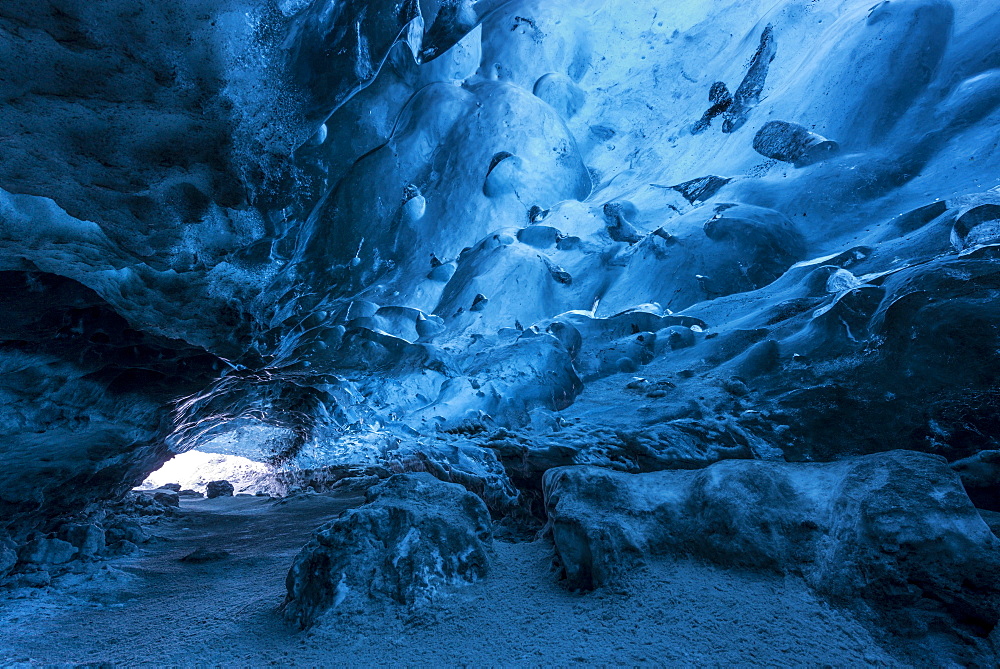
(154, 610)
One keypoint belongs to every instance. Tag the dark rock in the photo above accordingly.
(677, 337)
(126, 530)
(980, 475)
(791, 143)
(413, 537)
(219, 489)
(558, 273)
(721, 100)
(619, 228)
(29, 579)
(122, 547)
(166, 497)
(151, 502)
(747, 95)
(8, 558)
(637, 384)
(479, 302)
(895, 529)
(191, 493)
(735, 108)
(203, 554)
(176, 487)
(699, 190)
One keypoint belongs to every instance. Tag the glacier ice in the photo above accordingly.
(484, 239)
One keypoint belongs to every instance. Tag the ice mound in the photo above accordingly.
(415, 536)
(894, 530)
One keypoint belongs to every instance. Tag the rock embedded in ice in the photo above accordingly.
(721, 100)
(895, 529)
(747, 95)
(700, 190)
(414, 537)
(619, 228)
(791, 143)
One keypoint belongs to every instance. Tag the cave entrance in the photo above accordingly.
(195, 469)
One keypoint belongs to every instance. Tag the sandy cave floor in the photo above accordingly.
(152, 609)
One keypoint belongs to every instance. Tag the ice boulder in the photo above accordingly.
(47, 551)
(895, 529)
(413, 537)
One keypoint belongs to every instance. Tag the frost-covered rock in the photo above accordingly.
(89, 538)
(164, 497)
(895, 529)
(415, 537)
(47, 551)
(8, 558)
(125, 529)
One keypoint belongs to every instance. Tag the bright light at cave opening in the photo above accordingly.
(195, 469)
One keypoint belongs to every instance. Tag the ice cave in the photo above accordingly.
(499, 333)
